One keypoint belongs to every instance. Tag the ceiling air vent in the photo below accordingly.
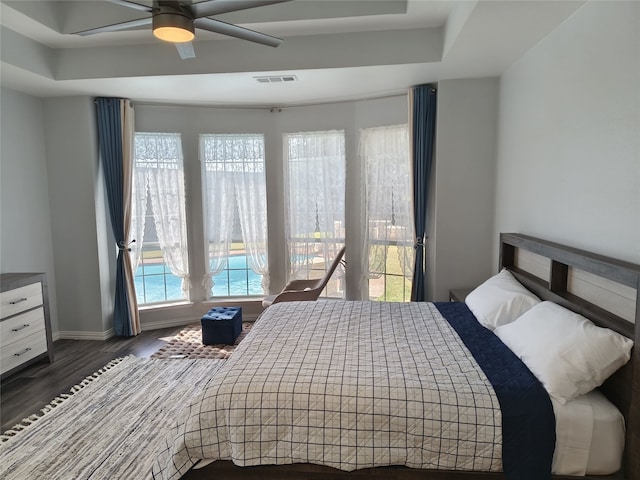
(276, 79)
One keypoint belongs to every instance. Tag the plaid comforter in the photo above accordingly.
(348, 385)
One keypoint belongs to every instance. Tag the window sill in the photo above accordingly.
(165, 306)
(220, 300)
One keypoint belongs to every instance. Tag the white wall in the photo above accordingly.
(569, 150)
(460, 220)
(25, 231)
(82, 247)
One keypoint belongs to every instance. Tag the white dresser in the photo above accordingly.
(25, 327)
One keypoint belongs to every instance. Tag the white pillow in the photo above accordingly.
(500, 300)
(568, 354)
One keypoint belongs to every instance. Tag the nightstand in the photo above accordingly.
(459, 294)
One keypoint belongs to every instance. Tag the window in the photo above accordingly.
(158, 219)
(235, 214)
(388, 199)
(315, 201)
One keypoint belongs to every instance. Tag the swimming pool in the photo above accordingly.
(159, 285)
(237, 279)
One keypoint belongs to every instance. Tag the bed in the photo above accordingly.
(343, 389)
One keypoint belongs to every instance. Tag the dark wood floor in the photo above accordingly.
(28, 390)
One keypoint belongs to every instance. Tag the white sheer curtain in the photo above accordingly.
(159, 173)
(218, 220)
(388, 198)
(234, 176)
(315, 196)
(138, 214)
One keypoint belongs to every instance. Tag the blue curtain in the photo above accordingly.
(423, 128)
(109, 119)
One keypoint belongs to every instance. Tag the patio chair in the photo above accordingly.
(301, 290)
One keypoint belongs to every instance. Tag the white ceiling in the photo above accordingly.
(337, 49)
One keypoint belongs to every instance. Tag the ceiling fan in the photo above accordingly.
(176, 20)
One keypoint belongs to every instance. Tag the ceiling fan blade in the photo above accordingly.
(116, 27)
(217, 7)
(185, 50)
(137, 6)
(224, 28)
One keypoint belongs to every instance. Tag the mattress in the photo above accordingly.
(590, 434)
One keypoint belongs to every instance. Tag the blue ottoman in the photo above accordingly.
(221, 325)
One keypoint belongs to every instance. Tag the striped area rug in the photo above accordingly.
(187, 343)
(109, 426)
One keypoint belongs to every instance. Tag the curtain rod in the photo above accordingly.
(272, 108)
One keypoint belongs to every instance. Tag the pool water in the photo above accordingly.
(235, 280)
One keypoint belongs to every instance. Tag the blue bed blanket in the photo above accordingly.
(528, 421)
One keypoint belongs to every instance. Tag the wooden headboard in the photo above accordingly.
(555, 272)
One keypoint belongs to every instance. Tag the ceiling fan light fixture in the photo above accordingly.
(173, 27)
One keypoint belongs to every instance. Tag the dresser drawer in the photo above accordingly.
(25, 349)
(20, 299)
(25, 326)
(21, 326)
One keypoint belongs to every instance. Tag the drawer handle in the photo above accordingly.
(15, 302)
(26, 350)
(17, 329)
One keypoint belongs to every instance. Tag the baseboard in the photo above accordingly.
(158, 324)
(155, 325)
(75, 335)
(249, 317)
